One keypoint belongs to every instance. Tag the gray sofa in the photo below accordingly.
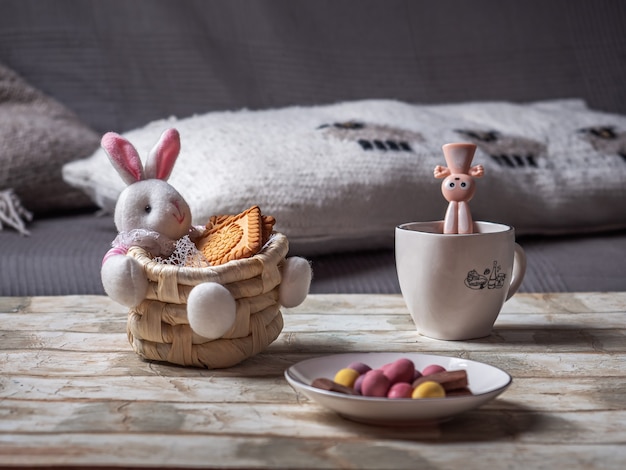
(119, 65)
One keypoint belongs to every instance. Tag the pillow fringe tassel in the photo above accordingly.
(12, 213)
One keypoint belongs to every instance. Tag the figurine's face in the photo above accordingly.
(458, 188)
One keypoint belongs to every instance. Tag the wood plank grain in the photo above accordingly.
(564, 394)
(72, 392)
(70, 363)
(331, 304)
(232, 451)
(278, 419)
(529, 340)
(115, 322)
(201, 389)
(576, 302)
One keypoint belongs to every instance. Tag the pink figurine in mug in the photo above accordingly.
(458, 187)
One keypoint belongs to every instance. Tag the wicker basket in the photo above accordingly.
(158, 328)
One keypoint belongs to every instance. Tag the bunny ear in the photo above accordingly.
(163, 156)
(123, 156)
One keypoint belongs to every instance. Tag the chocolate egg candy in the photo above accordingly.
(449, 380)
(400, 390)
(401, 370)
(327, 384)
(375, 384)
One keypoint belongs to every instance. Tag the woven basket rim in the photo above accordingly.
(275, 249)
(246, 278)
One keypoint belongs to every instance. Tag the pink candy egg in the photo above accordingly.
(432, 369)
(400, 390)
(401, 370)
(375, 384)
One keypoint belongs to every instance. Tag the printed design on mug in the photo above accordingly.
(491, 278)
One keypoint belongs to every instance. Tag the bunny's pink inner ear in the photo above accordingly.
(123, 156)
(163, 156)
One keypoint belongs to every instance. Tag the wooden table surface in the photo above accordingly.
(74, 393)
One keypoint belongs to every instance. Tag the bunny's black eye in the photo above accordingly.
(148, 209)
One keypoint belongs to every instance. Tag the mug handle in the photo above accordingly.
(519, 269)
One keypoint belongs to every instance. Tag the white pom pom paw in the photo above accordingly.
(296, 282)
(124, 280)
(211, 310)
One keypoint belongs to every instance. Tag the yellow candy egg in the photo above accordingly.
(428, 389)
(346, 377)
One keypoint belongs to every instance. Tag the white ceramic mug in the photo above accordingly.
(454, 285)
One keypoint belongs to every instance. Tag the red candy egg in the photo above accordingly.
(432, 369)
(401, 370)
(375, 384)
(400, 390)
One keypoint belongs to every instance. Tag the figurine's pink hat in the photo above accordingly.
(459, 156)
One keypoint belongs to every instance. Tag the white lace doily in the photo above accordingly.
(185, 254)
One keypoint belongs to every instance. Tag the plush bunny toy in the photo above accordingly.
(150, 213)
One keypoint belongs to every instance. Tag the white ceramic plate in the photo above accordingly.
(486, 382)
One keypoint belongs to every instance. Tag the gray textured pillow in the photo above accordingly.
(37, 136)
(343, 176)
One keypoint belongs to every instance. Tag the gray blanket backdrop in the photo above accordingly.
(119, 64)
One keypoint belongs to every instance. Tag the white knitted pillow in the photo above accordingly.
(342, 176)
